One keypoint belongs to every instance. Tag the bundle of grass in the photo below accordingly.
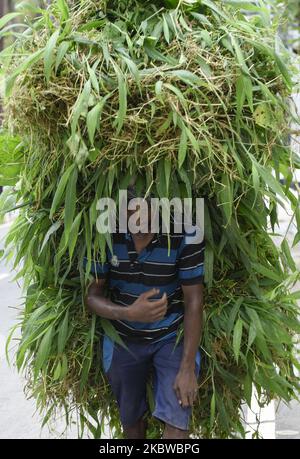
(193, 97)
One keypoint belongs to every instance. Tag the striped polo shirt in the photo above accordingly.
(167, 263)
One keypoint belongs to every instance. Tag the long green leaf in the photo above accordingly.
(49, 54)
(60, 190)
(70, 202)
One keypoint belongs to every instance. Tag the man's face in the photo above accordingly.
(140, 214)
(139, 217)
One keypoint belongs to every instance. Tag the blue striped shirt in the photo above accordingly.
(166, 263)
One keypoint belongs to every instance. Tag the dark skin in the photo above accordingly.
(145, 309)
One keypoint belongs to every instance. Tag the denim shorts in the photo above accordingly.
(128, 371)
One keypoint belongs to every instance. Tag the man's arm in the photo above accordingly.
(186, 381)
(142, 310)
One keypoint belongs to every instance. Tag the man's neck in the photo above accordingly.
(141, 240)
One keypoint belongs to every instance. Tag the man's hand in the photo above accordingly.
(186, 387)
(146, 310)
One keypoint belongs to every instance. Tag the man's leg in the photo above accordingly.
(137, 431)
(173, 432)
(166, 361)
(127, 372)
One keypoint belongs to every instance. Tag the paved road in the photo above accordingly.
(17, 415)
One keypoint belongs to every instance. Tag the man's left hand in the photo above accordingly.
(186, 387)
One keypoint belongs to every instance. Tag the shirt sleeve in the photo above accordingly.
(191, 262)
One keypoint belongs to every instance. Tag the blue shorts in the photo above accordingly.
(129, 370)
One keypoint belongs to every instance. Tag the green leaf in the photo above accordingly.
(239, 54)
(267, 272)
(158, 90)
(251, 335)
(81, 106)
(63, 333)
(177, 92)
(212, 410)
(132, 68)
(92, 120)
(70, 201)
(57, 371)
(237, 337)
(160, 179)
(74, 234)
(284, 71)
(248, 389)
(182, 147)
(49, 412)
(168, 168)
(8, 17)
(240, 94)
(201, 18)
(255, 179)
(263, 116)
(244, 90)
(110, 331)
(154, 54)
(61, 52)
(53, 228)
(64, 367)
(184, 177)
(248, 90)
(192, 139)
(226, 197)
(215, 8)
(64, 9)
(233, 313)
(270, 180)
(49, 54)
(288, 256)
(119, 121)
(255, 320)
(93, 77)
(43, 350)
(60, 190)
(166, 29)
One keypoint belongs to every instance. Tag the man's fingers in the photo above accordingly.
(156, 307)
(159, 311)
(184, 400)
(191, 398)
(177, 392)
(157, 318)
(150, 293)
(180, 395)
(161, 302)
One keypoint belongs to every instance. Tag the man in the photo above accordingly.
(153, 291)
